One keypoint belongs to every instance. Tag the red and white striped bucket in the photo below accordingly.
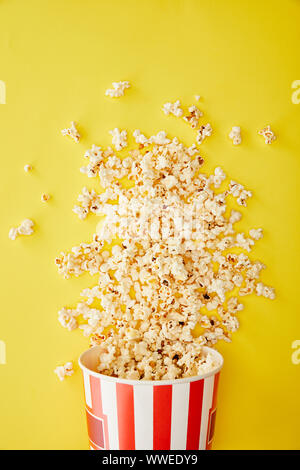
(149, 415)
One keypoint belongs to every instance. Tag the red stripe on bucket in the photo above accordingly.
(96, 396)
(125, 406)
(162, 413)
(195, 413)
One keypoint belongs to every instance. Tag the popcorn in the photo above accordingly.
(268, 134)
(265, 291)
(239, 192)
(89, 202)
(13, 233)
(45, 197)
(235, 135)
(193, 117)
(160, 138)
(256, 234)
(175, 263)
(27, 168)
(118, 89)
(140, 138)
(173, 108)
(197, 97)
(25, 228)
(64, 371)
(67, 318)
(204, 131)
(119, 138)
(72, 132)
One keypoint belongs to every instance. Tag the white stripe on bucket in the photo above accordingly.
(143, 417)
(206, 405)
(109, 405)
(87, 388)
(180, 413)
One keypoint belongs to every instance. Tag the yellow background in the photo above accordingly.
(57, 57)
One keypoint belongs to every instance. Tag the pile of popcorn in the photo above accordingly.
(171, 265)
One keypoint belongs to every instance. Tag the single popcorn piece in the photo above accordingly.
(27, 168)
(118, 89)
(160, 138)
(25, 228)
(268, 134)
(265, 291)
(239, 192)
(204, 131)
(197, 97)
(13, 233)
(72, 132)
(235, 135)
(193, 117)
(45, 197)
(119, 138)
(173, 108)
(140, 138)
(64, 371)
(256, 234)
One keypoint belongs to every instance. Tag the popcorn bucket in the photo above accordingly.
(149, 415)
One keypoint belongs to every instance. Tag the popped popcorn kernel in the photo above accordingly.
(203, 132)
(25, 228)
(119, 138)
(64, 371)
(45, 197)
(27, 168)
(235, 135)
(256, 234)
(173, 108)
(118, 89)
(268, 134)
(72, 132)
(193, 117)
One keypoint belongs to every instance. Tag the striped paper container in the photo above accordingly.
(149, 415)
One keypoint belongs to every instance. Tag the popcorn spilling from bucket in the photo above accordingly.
(170, 262)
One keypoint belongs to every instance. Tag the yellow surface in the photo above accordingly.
(56, 59)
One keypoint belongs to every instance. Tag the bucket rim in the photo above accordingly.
(109, 378)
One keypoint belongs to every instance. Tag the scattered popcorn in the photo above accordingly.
(72, 132)
(193, 117)
(13, 233)
(173, 108)
(175, 265)
(239, 192)
(256, 234)
(265, 291)
(63, 371)
(160, 138)
(118, 89)
(45, 197)
(119, 139)
(204, 131)
(268, 134)
(235, 135)
(140, 138)
(25, 228)
(27, 168)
